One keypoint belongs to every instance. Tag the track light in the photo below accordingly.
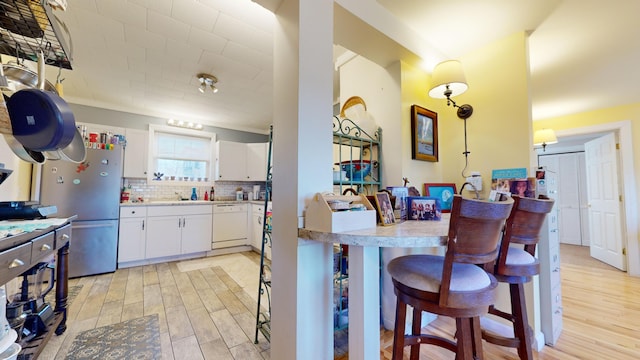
(207, 81)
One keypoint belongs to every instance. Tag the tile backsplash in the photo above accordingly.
(159, 190)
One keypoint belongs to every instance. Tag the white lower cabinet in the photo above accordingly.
(257, 224)
(177, 230)
(148, 232)
(132, 234)
(164, 235)
(196, 233)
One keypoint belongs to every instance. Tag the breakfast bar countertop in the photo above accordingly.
(364, 272)
(410, 233)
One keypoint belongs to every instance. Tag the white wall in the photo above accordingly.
(17, 186)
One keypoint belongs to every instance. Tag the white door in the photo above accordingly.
(569, 200)
(604, 201)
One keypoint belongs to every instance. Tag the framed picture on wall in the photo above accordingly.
(442, 191)
(424, 134)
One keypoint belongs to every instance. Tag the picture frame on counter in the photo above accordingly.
(385, 209)
(442, 191)
(424, 208)
(424, 134)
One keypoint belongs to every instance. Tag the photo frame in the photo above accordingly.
(424, 134)
(424, 208)
(385, 209)
(442, 191)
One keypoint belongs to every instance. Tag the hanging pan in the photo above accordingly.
(41, 120)
(31, 156)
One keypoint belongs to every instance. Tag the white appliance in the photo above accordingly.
(230, 223)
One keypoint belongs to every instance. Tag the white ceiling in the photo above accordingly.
(142, 56)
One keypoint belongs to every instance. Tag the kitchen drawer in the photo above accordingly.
(63, 235)
(133, 211)
(258, 209)
(179, 210)
(14, 262)
(230, 208)
(554, 267)
(42, 246)
(554, 239)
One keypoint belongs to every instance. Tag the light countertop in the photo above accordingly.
(189, 202)
(410, 233)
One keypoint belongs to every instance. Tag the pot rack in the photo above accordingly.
(27, 26)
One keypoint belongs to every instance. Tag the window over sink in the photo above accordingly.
(180, 154)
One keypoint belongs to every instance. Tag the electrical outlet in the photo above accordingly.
(476, 180)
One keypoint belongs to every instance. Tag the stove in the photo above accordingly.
(21, 210)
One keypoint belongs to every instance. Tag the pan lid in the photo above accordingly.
(41, 120)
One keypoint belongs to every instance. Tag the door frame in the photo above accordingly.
(624, 131)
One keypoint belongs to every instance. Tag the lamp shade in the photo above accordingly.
(448, 73)
(544, 137)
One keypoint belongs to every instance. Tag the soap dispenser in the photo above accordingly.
(194, 195)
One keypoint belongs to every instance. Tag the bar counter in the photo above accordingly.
(364, 272)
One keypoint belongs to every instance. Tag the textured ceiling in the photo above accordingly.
(142, 56)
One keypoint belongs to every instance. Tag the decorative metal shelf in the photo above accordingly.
(29, 26)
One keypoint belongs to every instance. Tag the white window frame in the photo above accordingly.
(184, 132)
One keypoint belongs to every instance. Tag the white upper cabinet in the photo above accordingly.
(257, 161)
(241, 161)
(135, 153)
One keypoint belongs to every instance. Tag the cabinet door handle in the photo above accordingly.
(45, 247)
(179, 222)
(556, 269)
(16, 263)
(65, 236)
(142, 224)
(259, 220)
(184, 222)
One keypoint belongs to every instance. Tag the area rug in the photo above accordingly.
(133, 339)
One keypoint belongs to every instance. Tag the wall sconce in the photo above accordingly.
(544, 137)
(448, 80)
(184, 124)
(207, 81)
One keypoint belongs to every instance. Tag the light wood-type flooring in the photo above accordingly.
(207, 310)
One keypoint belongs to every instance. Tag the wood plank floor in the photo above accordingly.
(206, 314)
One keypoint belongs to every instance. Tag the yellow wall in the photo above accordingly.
(499, 131)
(415, 90)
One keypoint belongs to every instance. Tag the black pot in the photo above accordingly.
(41, 120)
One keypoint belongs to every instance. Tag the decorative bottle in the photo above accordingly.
(211, 194)
(194, 194)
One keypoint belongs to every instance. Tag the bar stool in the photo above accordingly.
(516, 265)
(451, 285)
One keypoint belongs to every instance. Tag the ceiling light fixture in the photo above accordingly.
(448, 80)
(207, 81)
(185, 124)
(544, 137)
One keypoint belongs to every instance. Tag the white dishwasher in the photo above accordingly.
(230, 225)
